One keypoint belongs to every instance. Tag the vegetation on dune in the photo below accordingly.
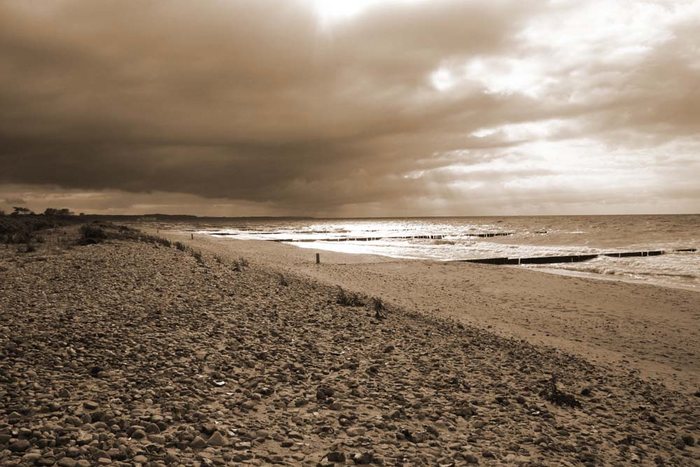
(346, 298)
(91, 234)
(240, 264)
(22, 228)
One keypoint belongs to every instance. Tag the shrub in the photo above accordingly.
(240, 264)
(156, 240)
(198, 256)
(180, 246)
(91, 234)
(345, 298)
(19, 229)
(283, 281)
(378, 307)
(554, 395)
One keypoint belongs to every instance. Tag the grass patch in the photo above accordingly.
(91, 234)
(379, 308)
(558, 397)
(198, 256)
(23, 229)
(241, 264)
(345, 298)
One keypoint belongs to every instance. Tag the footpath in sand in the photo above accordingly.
(654, 331)
(133, 353)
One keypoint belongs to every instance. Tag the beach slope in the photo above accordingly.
(135, 351)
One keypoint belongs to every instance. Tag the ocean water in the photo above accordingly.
(459, 238)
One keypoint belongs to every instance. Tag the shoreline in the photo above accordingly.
(645, 328)
(529, 266)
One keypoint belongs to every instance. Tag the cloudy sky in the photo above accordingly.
(351, 107)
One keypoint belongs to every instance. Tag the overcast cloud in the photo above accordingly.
(258, 107)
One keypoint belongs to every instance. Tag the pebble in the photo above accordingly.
(217, 439)
(471, 459)
(19, 445)
(90, 405)
(198, 443)
(335, 456)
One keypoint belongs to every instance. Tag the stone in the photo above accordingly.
(31, 457)
(20, 445)
(140, 459)
(366, 457)
(471, 459)
(75, 421)
(335, 456)
(356, 431)
(198, 443)
(90, 405)
(66, 462)
(216, 439)
(324, 392)
(152, 428)
(138, 434)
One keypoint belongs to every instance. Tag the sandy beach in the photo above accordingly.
(654, 331)
(141, 353)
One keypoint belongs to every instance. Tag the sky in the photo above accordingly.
(350, 107)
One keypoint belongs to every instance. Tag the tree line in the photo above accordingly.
(51, 212)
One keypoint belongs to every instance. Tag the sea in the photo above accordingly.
(467, 238)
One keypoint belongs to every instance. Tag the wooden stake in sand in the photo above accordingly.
(191, 236)
(318, 258)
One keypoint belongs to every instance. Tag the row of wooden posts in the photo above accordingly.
(530, 260)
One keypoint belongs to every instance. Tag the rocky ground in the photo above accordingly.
(129, 352)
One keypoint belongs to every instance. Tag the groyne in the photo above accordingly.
(572, 258)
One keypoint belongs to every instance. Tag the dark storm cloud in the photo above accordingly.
(259, 102)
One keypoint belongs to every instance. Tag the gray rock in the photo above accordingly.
(335, 456)
(217, 439)
(366, 457)
(20, 445)
(66, 462)
(198, 443)
(91, 405)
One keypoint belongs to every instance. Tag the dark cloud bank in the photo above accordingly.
(435, 107)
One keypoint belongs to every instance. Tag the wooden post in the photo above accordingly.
(318, 258)
(191, 236)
